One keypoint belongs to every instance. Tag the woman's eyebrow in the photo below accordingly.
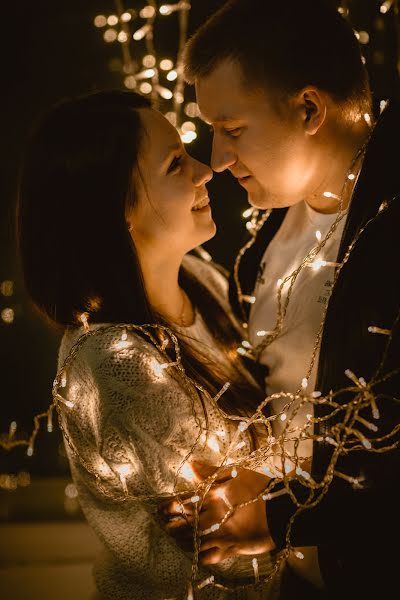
(172, 148)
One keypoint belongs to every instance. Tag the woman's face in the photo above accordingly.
(172, 212)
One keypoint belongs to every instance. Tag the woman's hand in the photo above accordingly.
(244, 532)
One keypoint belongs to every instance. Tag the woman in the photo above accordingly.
(109, 206)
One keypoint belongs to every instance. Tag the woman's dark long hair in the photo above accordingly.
(76, 252)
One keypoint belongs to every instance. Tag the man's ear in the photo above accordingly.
(312, 109)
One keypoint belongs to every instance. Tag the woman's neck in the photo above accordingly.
(161, 280)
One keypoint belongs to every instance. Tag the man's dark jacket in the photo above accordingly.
(356, 531)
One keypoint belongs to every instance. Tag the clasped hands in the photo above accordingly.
(245, 531)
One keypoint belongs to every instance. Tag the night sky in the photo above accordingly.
(52, 50)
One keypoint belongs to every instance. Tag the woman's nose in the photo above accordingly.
(201, 173)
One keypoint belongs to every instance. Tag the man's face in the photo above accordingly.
(270, 155)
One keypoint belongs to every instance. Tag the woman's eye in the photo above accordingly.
(175, 164)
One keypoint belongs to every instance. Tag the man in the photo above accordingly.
(285, 90)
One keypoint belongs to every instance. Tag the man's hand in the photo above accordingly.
(244, 532)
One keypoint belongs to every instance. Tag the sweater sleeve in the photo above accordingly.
(128, 426)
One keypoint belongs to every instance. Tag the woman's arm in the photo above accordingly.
(127, 434)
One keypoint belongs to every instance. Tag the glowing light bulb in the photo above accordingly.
(7, 287)
(123, 343)
(71, 491)
(240, 445)
(112, 20)
(283, 417)
(164, 92)
(317, 264)
(351, 176)
(279, 283)
(166, 9)
(243, 426)
(261, 333)
(268, 472)
(234, 472)
(159, 368)
(84, 319)
(192, 110)
(187, 472)
(246, 344)
(166, 64)
(172, 75)
(126, 17)
(206, 582)
(147, 12)
(386, 6)
(30, 451)
(212, 443)
(149, 60)
(363, 37)
(130, 82)
(188, 137)
(318, 235)
(383, 105)
(188, 126)
(100, 21)
(367, 118)
(195, 499)
(122, 37)
(331, 195)
(124, 471)
(146, 88)
(7, 315)
(247, 213)
(146, 74)
(141, 33)
(241, 351)
(299, 555)
(254, 563)
(304, 383)
(50, 422)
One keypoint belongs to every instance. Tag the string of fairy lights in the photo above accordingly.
(346, 430)
(142, 70)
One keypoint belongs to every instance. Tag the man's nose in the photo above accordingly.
(222, 155)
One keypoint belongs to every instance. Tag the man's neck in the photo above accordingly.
(343, 155)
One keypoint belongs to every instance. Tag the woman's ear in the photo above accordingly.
(313, 109)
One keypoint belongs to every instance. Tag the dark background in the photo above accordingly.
(52, 50)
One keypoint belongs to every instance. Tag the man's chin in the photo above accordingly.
(264, 200)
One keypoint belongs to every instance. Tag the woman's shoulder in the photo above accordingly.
(123, 346)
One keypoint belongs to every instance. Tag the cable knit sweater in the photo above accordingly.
(130, 427)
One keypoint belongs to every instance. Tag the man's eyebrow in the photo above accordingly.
(222, 118)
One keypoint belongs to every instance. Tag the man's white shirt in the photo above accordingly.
(288, 358)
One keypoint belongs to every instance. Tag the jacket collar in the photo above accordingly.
(379, 179)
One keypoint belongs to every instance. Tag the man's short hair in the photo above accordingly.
(284, 46)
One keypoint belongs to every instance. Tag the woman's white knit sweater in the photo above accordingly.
(132, 426)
